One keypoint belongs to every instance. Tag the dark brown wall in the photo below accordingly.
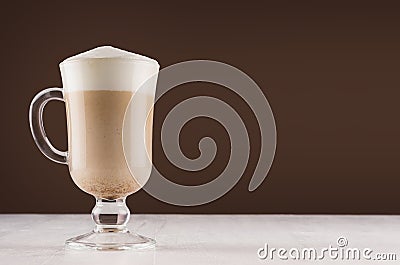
(330, 72)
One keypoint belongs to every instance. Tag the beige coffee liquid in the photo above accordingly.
(96, 156)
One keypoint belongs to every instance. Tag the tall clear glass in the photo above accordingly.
(98, 87)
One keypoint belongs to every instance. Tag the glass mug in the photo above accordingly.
(98, 90)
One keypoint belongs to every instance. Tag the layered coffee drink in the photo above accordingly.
(109, 97)
(97, 100)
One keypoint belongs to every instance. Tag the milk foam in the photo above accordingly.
(109, 68)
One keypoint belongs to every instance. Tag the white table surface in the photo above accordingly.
(196, 239)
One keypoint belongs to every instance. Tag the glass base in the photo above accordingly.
(110, 240)
(110, 217)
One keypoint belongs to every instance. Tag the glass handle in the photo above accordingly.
(36, 123)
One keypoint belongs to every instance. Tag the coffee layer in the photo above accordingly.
(96, 155)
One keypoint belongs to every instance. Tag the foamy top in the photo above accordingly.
(109, 68)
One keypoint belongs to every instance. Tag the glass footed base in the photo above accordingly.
(110, 233)
(110, 240)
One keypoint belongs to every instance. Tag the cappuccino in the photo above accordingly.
(98, 88)
(109, 97)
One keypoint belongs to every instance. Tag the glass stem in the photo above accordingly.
(110, 215)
